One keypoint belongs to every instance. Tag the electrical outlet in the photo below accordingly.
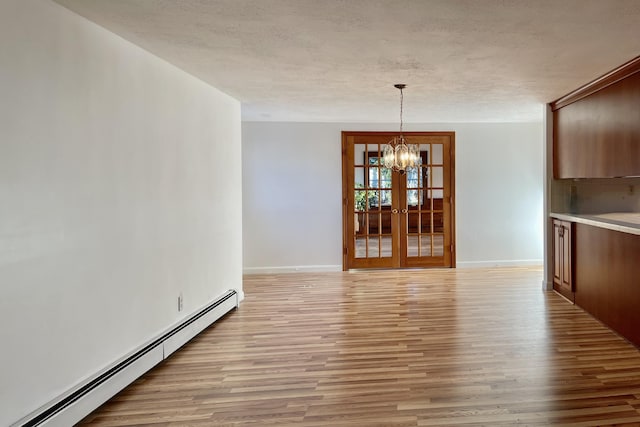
(180, 302)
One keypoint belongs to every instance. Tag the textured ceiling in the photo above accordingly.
(337, 60)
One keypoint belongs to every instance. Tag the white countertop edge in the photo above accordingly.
(594, 220)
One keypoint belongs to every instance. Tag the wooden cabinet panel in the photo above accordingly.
(563, 258)
(598, 135)
(567, 258)
(607, 278)
(557, 252)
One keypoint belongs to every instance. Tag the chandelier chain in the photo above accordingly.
(401, 104)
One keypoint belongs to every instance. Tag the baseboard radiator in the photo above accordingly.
(81, 402)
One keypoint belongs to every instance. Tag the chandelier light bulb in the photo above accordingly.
(397, 154)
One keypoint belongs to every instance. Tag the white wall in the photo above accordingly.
(292, 204)
(119, 189)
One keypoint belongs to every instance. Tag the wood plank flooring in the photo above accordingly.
(481, 347)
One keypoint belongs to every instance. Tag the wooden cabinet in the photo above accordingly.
(563, 258)
(607, 274)
(596, 132)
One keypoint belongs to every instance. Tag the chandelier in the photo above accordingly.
(397, 155)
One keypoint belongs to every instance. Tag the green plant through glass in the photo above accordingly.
(361, 197)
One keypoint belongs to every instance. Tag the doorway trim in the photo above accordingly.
(347, 193)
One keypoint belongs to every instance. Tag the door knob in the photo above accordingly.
(404, 211)
(394, 211)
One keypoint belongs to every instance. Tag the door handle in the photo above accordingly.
(394, 211)
(405, 210)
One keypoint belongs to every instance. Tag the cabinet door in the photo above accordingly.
(562, 259)
(567, 276)
(557, 252)
(598, 135)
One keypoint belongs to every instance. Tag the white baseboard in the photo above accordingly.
(79, 409)
(292, 269)
(500, 263)
(75, 404)
(177, 340)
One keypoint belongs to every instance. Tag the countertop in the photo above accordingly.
(626, 222)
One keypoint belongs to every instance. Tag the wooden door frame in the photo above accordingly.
(345, 190)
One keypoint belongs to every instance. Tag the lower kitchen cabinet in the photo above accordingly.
(563, 244)
(607, 278)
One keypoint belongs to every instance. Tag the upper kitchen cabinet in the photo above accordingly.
(597, 127)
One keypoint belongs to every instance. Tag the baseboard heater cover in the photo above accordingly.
(77, 405)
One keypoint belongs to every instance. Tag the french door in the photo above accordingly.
(393, 219)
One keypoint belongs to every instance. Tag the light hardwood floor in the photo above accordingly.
(393, 348)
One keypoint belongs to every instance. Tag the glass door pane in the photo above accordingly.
(372, 207)
(416, 206)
